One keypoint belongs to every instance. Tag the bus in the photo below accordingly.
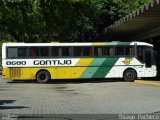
(49, 61)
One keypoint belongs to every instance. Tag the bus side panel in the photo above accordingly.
(99, 67)
(52, 70)
(117, 71)
(77, 72)
(124, 63)
(64, 72)
(61, 72)
(27, 73)
(67, 72)
(5, 74)
(17, 73)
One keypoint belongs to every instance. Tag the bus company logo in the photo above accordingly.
(52, 62)
(127, 61)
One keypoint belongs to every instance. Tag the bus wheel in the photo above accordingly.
(43, 76)
(129, 75)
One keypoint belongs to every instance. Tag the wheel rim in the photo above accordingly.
(42, 76)
(129, 75)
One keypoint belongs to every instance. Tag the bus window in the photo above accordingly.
(56, 51)
(129, 51)
(148, 58)
(87, 51)
(22, 52)
(98, 51)
(17, 52)
(66, 51)
(108, 51)
(140, 53)
(119, 50)
(12, 52)
(34, 51)
(44, 51)
(77, 51)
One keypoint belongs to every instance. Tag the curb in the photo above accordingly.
(147, 82)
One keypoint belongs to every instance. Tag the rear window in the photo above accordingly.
(16, 52)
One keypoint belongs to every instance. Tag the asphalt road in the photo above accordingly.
(92, 97)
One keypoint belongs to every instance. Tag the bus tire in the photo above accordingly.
(129, 75)
(43, 76)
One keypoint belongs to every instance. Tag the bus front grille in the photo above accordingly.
(14, 72)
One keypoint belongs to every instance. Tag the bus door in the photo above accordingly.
(148, 60)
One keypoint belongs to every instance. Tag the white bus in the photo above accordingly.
(48, 61)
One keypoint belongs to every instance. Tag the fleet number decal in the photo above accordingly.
(16, 63)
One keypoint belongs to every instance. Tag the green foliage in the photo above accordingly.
(111, 10)
(68, 19)
(21, 20)
(139, 3)
(57, 20)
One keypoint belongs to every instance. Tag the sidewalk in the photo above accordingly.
(148, 82)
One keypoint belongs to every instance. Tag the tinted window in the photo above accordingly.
(87, 51)
(119, 51)
(108, 51)
(17, 52)
(22, 52)
(56, 51)
(148, 58)
(61, 51)
(34, 51)
(66, 51)
(12, 52)
(82, 51)
(77, 51)
(140, 53)
(129, 51)
(44, 51)
(98, 51)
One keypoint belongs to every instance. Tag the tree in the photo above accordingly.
(58, 20)
(69, 19)
(110, 11)
(20, 20)
(139, 3)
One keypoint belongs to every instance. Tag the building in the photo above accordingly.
(141, 25)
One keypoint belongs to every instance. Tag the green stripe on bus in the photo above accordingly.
(92, 68)
(124, 43)
(112, 43)
(118, 43)
(103, 70)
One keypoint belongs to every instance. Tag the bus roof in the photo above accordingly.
(76, 44)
